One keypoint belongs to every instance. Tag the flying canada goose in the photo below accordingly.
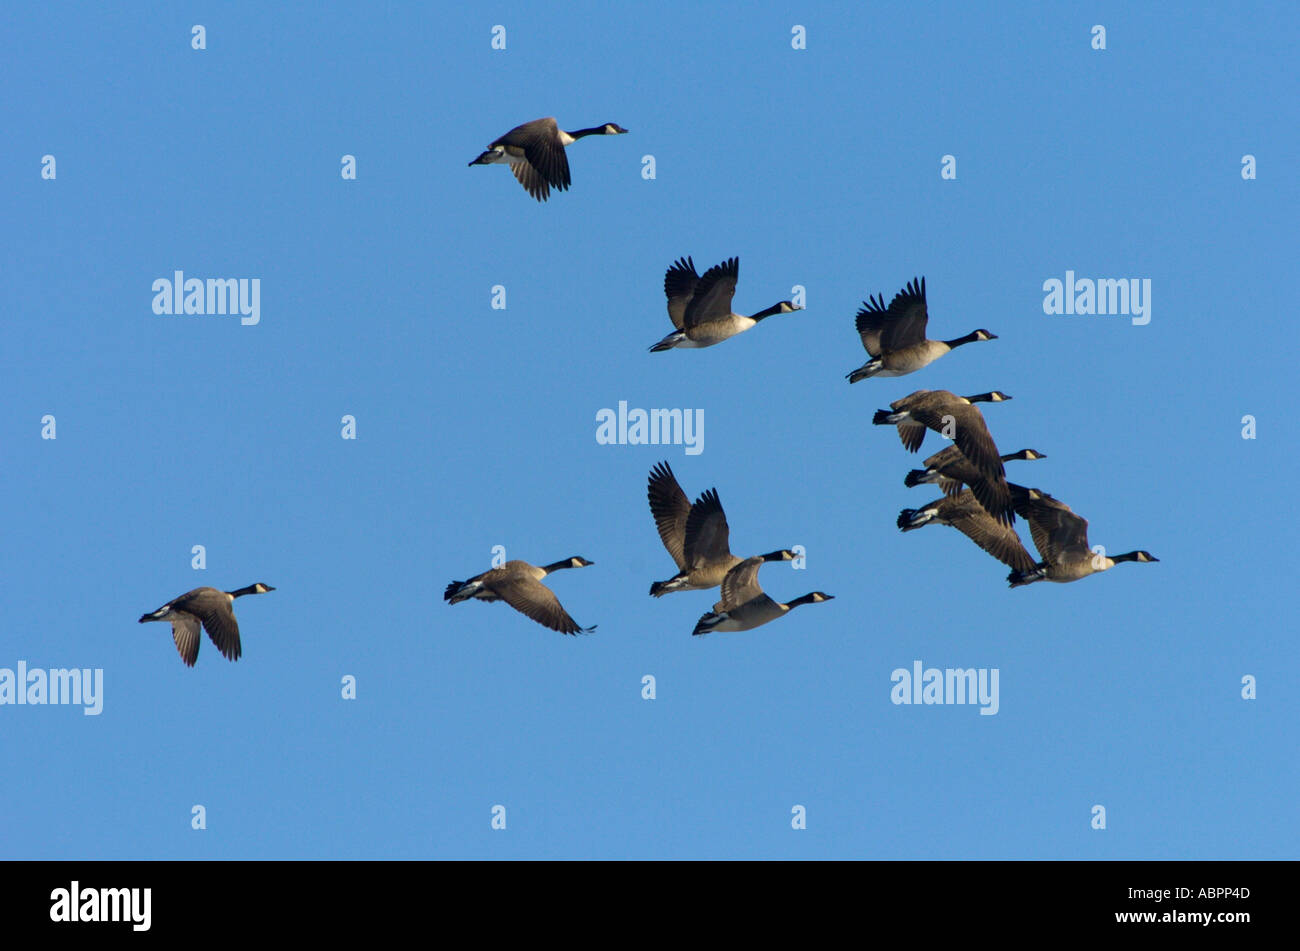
(940, 410)
(894, 337)
(700, 307)
(950, 469)
(535, 153)
(964, 513)
(744, 605)
(519, 585)
(1061, 538)
(212, 609)
(912, 434)
(697, 536)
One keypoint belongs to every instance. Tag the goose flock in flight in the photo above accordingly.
(977, 499)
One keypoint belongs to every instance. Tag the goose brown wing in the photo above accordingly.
(993, 495)
(949, 486)
(944, 457)
(870, 321)
(968, 516)
(956, 468)
(1056, 530)
(531, 179)
(533, 599)
(740, 586)
(540, 141)
(911, 435)
(953, 468)
(713, 294)
(911, 432)
(670, 508)
(185, 633)
(907, 317)
(679, 287)
(708, 537)
(218, 617)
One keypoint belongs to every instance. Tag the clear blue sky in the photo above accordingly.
(476, 427)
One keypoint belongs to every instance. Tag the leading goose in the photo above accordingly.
(697, 536)
(744, 606)
(700, 307)
(536, 156)
(519, 585)
(964, 513)
(956, 417)
(1061, 538)
(214, 611)
(894, 336)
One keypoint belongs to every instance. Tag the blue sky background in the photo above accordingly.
(476, 427)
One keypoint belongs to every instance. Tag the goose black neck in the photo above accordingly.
(558, 566)
(251, 589)
(596, 130)
(774, 309)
